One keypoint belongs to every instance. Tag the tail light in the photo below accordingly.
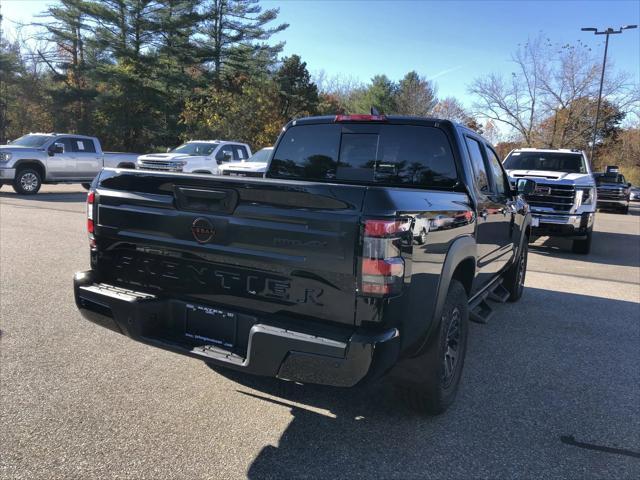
(91, 196)
(382, 271)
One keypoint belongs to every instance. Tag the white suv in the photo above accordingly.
(196, 156)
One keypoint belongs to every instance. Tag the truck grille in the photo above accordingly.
(555, 197)
(165, 166)
(611, 193)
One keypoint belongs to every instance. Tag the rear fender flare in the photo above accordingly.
(526, 225)
(461, 249)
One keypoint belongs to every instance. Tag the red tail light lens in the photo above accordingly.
(360, 118)
(91, 196)
(382, 271)
(392, 267)
(383, 228)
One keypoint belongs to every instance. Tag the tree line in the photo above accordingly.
(144, 75)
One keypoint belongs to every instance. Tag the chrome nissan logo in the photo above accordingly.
(202, 230)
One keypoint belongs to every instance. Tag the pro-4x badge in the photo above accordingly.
(202, 230)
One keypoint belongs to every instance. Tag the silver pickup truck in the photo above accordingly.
(37, 158)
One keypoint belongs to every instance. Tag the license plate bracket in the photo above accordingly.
(210, 325)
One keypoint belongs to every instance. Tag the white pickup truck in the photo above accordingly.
(564, 201)
(255, 166)
(196, 156)
(38, 158)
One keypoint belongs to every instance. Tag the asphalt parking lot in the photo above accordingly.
(551, 386)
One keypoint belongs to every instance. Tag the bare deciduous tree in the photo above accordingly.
(549, 99)
(514, 102)
(451, 109)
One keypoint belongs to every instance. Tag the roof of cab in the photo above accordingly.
(392, 119)
(547, 150)
(54, 134)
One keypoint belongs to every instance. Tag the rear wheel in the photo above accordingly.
(27, 181)
(440, 366)
(583, 246)
(515, 275)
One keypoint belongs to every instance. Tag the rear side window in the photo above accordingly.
(477, 160)
(83, 145)
(395, 155)
(240, 152)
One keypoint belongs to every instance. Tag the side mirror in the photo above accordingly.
(525, 186)
(226, 157)
(168, 149)
(629, 185)
(56, 148)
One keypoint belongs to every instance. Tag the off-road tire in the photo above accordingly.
(514, 277)
(583, 246)
(435, 385)
(27, 181)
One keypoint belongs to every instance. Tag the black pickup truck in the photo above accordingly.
(614, 192)
(365, 250)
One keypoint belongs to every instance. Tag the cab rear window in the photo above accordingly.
(394, 155)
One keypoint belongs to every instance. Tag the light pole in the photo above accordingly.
(607, 32)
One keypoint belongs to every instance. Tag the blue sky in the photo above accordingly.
(451, 42)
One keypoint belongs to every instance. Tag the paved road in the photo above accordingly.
(79, 401)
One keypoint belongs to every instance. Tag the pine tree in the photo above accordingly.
(380, 95)
(415, 96)
(176, 71)
(298, 94)
(236, 32)
(66, 60)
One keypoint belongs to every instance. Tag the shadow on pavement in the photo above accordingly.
(607, 248)
(537, 372)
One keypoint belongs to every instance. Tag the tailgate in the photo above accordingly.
(276, 247)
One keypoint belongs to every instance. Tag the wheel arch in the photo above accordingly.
(32, 163)
(459, 264)
(465, 273)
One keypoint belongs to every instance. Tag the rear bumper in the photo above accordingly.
(337, 357)
(563, 225)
